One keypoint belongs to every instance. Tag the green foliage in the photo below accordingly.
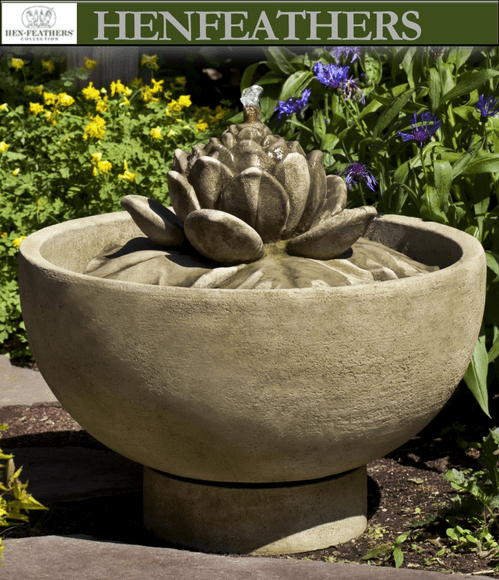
(450, 177)
(15, 501)
(390, 551)
(66, 154)
(473, 519)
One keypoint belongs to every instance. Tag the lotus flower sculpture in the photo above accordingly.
(248, 190)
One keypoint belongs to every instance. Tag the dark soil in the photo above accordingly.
(405, 487)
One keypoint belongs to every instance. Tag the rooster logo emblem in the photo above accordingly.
(38, 17)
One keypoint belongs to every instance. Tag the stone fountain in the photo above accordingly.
(255, 345)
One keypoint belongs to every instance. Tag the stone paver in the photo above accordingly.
(58, 558)
(21, 386)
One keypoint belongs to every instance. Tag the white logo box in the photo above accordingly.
(43, 23)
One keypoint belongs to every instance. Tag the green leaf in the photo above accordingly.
(435, 88)
(476, 374)
(468, 82)
(279, 60)
(295, 84)
(494, 351)
(398, 557)
(462, 163)
(249, 73)
(391, 112)
(487, 163)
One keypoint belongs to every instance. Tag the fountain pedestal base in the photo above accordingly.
(261, 519)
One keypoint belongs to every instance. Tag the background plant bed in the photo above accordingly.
(404, 487)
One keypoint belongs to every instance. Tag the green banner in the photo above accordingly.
(251, 23)
(275, 23)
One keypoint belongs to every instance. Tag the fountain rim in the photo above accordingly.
(31, 250)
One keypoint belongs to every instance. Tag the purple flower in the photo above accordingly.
(486, 106)
(357, 172)
(293, 105)
(350, 89)
(422, 131)
(335, 76)
(338, 51)
(331, 75)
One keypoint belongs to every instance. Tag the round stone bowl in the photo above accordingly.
(252, 386)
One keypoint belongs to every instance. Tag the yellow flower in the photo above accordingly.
(120, 89)
(17, 63)
(16, 171)
(185, 101)
(157, 86)
(156, 133)
(3, 235)
(3, 146)
(95, 173)
(48, 65)
(125, 102)
(147, 94)
(201, 126)
(4, 107)
(90, 64)
(96, 128)
(136, 83)
(104, 166)
(65, 100)
(102, 105)
(174, 107)
(35, 108)
(171, 133)
(49, 98)
(50, 117)
(126, 175)
(17, 241)
(150, 61)
(90, 93)
(96, 157)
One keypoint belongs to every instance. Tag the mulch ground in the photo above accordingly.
(405, 487)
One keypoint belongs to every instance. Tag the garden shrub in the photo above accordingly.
(15, 501)
(414, 131)
(66, 154)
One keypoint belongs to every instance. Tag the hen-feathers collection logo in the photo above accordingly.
(39, 23)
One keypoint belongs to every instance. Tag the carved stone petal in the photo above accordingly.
(295, 146)
(218, 151)
(293, 173)
(228, 139)
(157, 222)
(336, 199)
(208, 176)
(180, 161)
(182, 195)
(317, 194)
(222, 237)
(259, 199)
(250, 154)
(332, 237)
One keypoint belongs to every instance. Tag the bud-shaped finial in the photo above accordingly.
(251, 104)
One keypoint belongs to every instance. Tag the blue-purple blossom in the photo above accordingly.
(421, 130)
(331, 75)
(350, 89)
(357, 172)
(338, 51)
(293, 105)
(486, 106)
(335, 76)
